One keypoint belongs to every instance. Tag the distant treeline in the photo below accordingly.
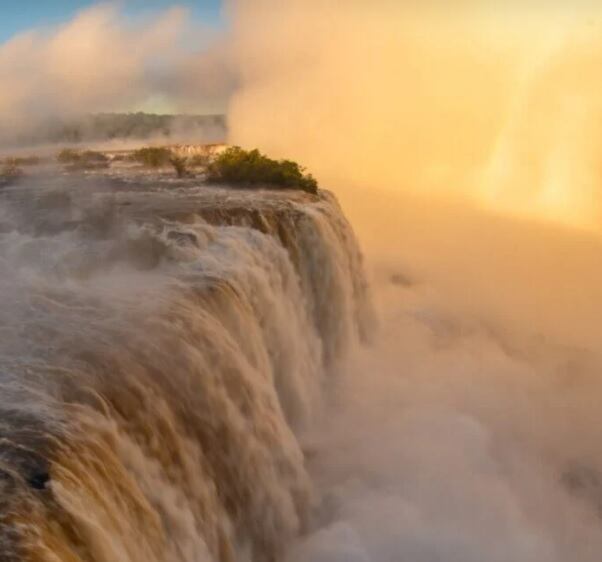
(111, 126)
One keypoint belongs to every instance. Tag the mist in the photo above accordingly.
(500, 106)
(104, 61)
(464, 145)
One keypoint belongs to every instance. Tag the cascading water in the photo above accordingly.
(161, 350)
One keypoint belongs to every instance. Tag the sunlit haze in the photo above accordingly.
(301, 281)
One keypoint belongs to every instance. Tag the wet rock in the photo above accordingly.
(183, 238)
(39, 480)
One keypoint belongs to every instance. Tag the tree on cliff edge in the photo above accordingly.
(236, 166)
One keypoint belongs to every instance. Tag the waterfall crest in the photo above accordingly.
(161, 349)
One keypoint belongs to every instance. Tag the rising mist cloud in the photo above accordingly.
(497, 105)
(469, 431)
(102, 61)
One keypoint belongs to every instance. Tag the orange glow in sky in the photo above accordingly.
(501, 105)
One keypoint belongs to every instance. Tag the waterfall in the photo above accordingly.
(161, 350)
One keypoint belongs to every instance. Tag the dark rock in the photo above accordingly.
(183, 238)
(39, 480)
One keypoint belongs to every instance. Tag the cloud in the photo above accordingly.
(103, 61)
(463, 140)
(500, 105)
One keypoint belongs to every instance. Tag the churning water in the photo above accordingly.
(161, 349)
(183, 379)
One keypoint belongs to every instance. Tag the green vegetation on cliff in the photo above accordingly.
(10, 173)
(76, 160)
(236, 166)
(152, 156)
(111, 126)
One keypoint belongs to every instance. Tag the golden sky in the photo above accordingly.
(498, 103)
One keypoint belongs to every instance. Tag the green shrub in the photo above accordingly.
(179, 164)
(199, 161)
(76, 160)
(10, 173)
(152, 156)
(23, 161)
(91, 156)
(68, 156)
(241, 167)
